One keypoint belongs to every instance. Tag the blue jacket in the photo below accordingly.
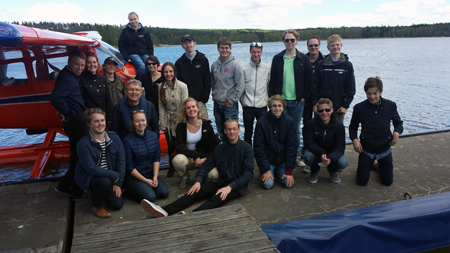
(303, 75)
(375, 120)
(275, 142)
(89, 157)
(122, 112)
(66, 96)
(321, 139)
(336, 82)
(141, 152)
(243, 160)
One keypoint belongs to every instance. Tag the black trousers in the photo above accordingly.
(207, 190)
(75, 130)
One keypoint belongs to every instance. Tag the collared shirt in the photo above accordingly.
(289, 78)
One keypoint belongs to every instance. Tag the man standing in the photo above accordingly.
(315, 56)
(193, 70)
(290, 76)
(101, 168)
(334, 79)
(324, 138)
(234, 162)
(132, 102)
(254, 98)
(67, 99)
(115, 82)
(227, 86)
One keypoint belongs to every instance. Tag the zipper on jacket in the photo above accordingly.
(256, 83)
(324, 137)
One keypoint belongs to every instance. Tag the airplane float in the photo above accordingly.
(30, 60)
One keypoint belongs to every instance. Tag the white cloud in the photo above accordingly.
(52, 12)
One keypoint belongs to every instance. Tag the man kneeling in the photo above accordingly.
(101, 164)
(324, 138)
(234, 162)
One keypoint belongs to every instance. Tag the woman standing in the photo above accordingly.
(95, 88)
(172, 93)
(194, 141)
(135, 43)
(142, 162)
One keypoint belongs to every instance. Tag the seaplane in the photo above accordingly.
(30, 60)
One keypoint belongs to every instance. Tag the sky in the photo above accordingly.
(233, 14)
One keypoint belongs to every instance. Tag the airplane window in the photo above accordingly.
(13, 74)
(48, 69)
(8, 54)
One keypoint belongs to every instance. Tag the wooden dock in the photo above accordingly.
(225, 229)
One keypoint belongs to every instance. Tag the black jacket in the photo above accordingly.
(196, 75)
(302, 71)
(321, 139)
(336, 82)
(135, 42)
(151, 89)
(243, 161)
(375, 122)
(203, 148)
(275, 142)
(95, 90)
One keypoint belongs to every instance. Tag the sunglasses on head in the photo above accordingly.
(256, 44)
(152, 63)
(291, 40)
(324, 109)
(133, 112)
(313, 45)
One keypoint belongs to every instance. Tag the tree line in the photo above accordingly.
(172, 36)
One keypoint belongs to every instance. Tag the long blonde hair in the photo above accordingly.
(182, 117)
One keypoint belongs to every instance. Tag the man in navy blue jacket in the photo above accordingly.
(324, 138)
(133, 101)
(101, 169)
(234, 162)
(67, 99)
(275, 144)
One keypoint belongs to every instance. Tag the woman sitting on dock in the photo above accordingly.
(194, 141)
(375, 115)
(142, 152)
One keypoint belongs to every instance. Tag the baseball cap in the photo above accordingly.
(186, 37)
(110, 60)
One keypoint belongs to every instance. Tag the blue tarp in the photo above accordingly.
(404, 226)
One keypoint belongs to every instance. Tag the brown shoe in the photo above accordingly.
(101, 212)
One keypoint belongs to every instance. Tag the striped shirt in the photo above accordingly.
(103, 160)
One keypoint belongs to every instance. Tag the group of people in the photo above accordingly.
(120, 145)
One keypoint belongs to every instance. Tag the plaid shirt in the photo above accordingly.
(378, 156)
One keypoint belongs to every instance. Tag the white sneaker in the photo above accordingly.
(153, 209)
(300, 162)
(306, 170)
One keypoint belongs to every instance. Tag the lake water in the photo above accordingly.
(412, 70)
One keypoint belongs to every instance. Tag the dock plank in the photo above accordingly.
(219, 230)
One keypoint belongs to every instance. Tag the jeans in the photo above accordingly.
(75, 130)
(365, 165)
(138, 62)
(277, 172)
(313, 162)
(101, 191)
(249, 115)
(207, 190)
(295, 111)
(222, 113)
(138, 190)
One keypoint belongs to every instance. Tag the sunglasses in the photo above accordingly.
(256, 44)
(287, 40)
(152, 63)
(133, 112)
(313, 45)
(324, 109)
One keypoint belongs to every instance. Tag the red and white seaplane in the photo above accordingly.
(30, 60)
